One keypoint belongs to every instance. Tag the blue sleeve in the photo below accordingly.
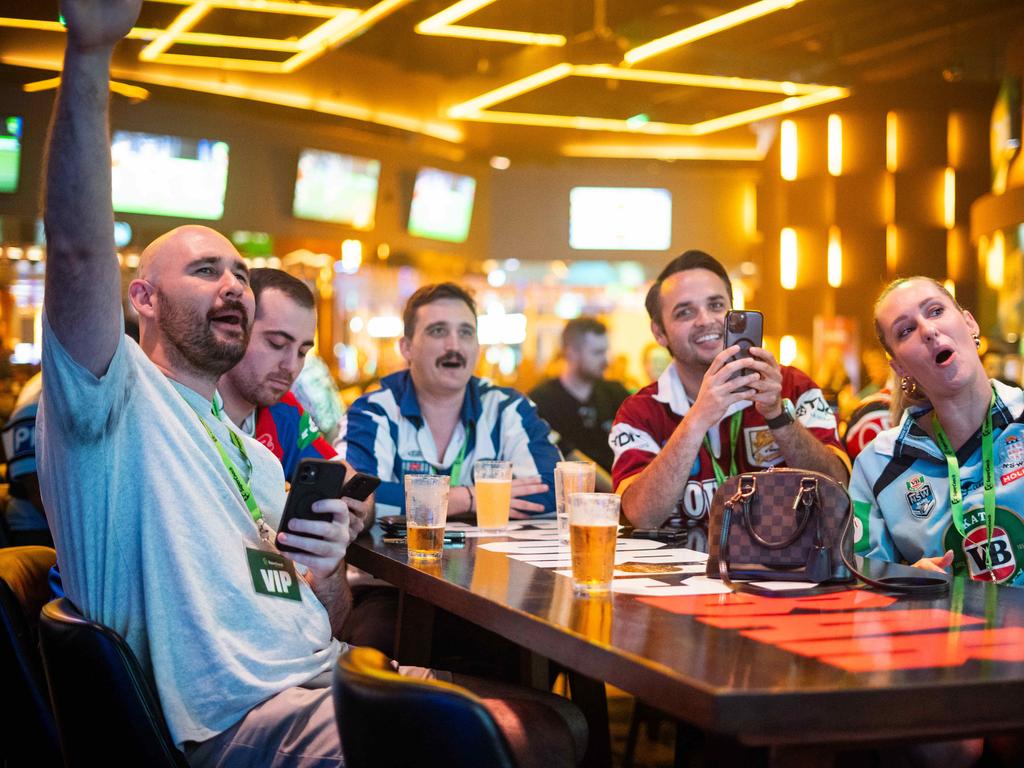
(366, 440)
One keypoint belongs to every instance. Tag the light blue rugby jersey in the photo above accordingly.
(900, 491)
(384, 434)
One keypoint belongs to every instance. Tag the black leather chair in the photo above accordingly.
(28, 732)
(105, 706)
(390, 721)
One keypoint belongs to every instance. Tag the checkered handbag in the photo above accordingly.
(780, 525)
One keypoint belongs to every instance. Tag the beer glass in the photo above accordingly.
(593, 526)
(493, 494)
(570, 477)
(426, 509)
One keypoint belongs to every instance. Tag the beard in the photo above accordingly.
(190, 336)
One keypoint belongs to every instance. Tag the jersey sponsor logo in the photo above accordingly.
(814, 412)
(762, 450)
(1006, 547)
(1012, 458)
(624, 438)
(267, 440)
(920, 496)
(417, 468)
(695, 502)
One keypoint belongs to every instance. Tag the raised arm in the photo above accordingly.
(83, 290)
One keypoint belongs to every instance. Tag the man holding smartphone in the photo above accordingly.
(710, 416)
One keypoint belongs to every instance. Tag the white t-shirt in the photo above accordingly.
(151, 536)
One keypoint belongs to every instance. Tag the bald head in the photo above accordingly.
(182, 243)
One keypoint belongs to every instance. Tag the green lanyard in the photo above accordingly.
(240, 481)
(734, 433)
(456, 472)
(956, 500)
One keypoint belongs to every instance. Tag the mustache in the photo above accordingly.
(450, 357)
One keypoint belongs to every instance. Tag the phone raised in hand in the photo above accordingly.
(745, 328)
(360, 486)
(314, 479)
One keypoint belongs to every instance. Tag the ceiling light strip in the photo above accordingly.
(220, 62)
(784, 107)
(581, 122)
(510, 91)
(700, 81)
(338, 30)
(662, 152)
(706, 28)
(184, 22)
(443, 24)
(267, 6)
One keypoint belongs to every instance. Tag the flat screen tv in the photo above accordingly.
(10, 153)
(620, 219)
(442, 205)
(333, 187)
(169, 175)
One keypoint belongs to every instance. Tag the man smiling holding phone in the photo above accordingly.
(709, 416)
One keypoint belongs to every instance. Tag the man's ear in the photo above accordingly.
(403, 347)
(142, 294)
(659, 333)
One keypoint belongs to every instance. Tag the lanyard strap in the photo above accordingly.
(241, 483)
(956, 500)
(456, 472)
(734, 433)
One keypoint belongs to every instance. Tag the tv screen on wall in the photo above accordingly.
(334, 187)
(442, 205)
(620, 219)
(10, 153)
(169, 175)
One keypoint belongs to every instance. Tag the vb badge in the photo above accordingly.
(920, 496)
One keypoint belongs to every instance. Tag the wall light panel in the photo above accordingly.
(788, 150)
(835, 257)
(835, 145)
(788, 258)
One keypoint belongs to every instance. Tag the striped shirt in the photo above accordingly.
(384, 434)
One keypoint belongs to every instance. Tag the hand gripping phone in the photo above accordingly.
(314, 479)
(746, 329)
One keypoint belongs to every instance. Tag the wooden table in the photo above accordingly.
(849, 668)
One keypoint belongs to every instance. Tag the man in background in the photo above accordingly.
(580, 403)
(257, 391)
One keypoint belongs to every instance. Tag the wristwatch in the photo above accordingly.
(786, 417)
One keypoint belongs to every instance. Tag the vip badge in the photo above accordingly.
(1012, 458)
(920, 497)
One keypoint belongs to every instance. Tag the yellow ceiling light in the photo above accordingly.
(663, 152)
(706, 28)
(131, 91)
(444, 24)
(339, 24)
(803, 96)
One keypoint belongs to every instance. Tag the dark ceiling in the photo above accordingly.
(391, 76)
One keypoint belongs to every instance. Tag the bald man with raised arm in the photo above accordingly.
(163, 513)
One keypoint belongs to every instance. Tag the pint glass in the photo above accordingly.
(426, 509)
(593, 526)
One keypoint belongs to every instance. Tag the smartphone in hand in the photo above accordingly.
(360, 486)
(314, 479)
(744, 328)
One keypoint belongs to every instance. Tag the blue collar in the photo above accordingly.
(404, 392)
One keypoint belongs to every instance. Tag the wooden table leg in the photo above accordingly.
(589, 695)
(414, 632)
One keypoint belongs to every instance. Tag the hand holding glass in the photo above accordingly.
(593, 527)
(426, 510)
(570, 477)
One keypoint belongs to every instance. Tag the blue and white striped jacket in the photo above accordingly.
(384, 434)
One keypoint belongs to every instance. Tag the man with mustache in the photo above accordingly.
(676, 440)
(444, 417)
(257, 391)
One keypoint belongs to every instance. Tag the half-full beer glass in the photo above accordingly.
(493, 494)
(593, 526)
(426, 509)
(570, 477)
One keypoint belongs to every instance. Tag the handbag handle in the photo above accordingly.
(807, 498)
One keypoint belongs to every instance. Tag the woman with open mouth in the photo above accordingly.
(943, 488)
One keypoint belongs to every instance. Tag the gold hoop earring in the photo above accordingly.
(909, 387)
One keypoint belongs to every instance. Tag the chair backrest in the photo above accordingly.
(28, 732)
(105, 705)
(390, 721)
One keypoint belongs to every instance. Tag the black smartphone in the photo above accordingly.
(360, 486)
(668, 535)
(314, 479)
(392, 525)
(743, 327)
